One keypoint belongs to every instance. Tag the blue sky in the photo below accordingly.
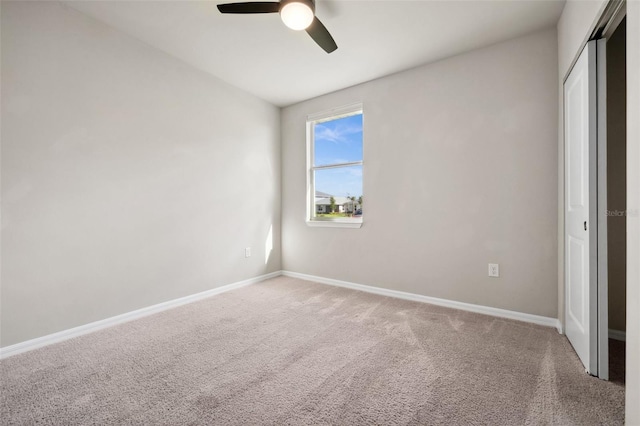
(339, 141)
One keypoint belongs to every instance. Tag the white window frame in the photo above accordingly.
(313, 119)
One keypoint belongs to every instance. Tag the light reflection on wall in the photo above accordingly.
(268, 245)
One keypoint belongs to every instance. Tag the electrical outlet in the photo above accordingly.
(247, 252)
(494, 270)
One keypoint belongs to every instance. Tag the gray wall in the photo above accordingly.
(617, 177)
(128, 177)
(460, 170)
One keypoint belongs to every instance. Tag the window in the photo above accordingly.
(334, 158)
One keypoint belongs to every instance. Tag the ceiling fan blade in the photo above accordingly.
(251, 7)
(320, 35)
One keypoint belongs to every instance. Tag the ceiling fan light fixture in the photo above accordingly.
(297, 14)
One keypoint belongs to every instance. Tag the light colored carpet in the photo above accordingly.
(288, 351)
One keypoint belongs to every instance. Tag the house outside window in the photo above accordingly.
(335, 165)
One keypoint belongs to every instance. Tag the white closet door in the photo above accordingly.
(580, 139)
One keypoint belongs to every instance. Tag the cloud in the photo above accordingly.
(340, 182)
(337, 161)
(357, 172)
(337, 133)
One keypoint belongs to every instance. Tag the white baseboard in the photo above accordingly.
(496, 312)
(50, 339)
(618, 335)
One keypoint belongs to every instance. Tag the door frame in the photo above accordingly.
(608, 22)
(602, 257)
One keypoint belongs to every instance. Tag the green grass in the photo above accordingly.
(333, 215)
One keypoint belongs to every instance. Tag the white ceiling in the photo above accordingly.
(259, 54)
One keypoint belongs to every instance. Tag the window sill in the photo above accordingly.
(335, 223)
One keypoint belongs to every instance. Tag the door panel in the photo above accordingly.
(580, 142)
(576, 259)
(575, 135)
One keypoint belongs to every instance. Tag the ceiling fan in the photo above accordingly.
(296, 14)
